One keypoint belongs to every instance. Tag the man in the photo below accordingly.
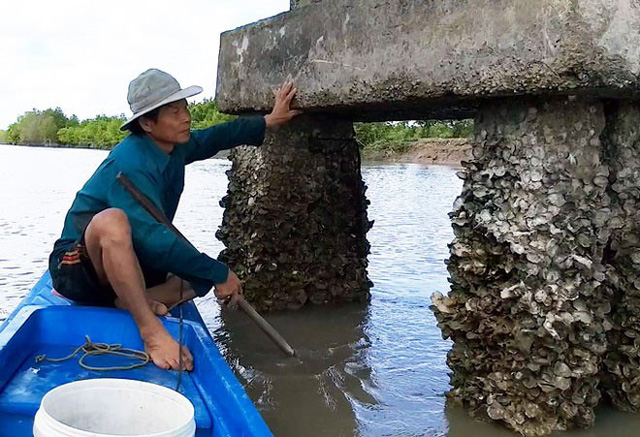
(112, 252)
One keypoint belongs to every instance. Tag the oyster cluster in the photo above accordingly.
(530, 305)
(295, 219)
(621, 371)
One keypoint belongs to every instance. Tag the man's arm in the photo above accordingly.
(206, 143)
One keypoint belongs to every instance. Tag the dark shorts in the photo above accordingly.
(76, 278)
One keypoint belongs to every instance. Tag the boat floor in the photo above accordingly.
(56, 332)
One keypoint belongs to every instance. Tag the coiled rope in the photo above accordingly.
(90, 348)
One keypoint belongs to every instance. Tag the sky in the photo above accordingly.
(80, 55)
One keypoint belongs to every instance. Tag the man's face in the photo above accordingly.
(173, 125)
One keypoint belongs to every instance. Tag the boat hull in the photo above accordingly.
(48, 324)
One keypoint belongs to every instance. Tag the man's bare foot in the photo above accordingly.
(163, 350)
(158, 308)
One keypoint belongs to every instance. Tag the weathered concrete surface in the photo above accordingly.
(295, 219)
(300, 3)
(394, 59)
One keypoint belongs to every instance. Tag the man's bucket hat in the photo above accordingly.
(152, 89)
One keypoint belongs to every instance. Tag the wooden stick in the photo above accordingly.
(265, 326)
(246, 306)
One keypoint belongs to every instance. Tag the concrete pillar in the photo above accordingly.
(299, 3)
(528, 312)
(622, 363)
(295, 222)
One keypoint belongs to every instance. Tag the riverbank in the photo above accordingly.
(432, 151)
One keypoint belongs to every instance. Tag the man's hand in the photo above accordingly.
(282, 111)
(230, 290)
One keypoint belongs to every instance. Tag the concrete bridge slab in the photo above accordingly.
(395, 59)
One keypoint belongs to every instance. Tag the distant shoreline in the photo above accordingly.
(432, 151)
(449, 152)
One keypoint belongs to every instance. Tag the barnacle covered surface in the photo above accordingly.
(621, 370)
(295, 221)
(528, 312)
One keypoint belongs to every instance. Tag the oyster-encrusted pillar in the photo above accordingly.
(527, 311)
(295, 221)
(622, 364)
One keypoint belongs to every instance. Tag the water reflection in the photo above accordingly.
(330, 363)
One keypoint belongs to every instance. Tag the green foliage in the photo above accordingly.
(397, 137)
(205, 114)
(13, 134)
(393, 137)
(37, 127)
(462, 128)
(103, 132)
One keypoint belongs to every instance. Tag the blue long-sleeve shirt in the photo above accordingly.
(160, 177)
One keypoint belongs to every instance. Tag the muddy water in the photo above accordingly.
(369, 370)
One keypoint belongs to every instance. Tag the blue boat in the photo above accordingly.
(46, 323)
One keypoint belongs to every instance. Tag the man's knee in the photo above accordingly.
(110, 226)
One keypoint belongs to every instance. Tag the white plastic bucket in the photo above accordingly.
(114, 407)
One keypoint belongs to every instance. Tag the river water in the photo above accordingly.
(366, 370)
